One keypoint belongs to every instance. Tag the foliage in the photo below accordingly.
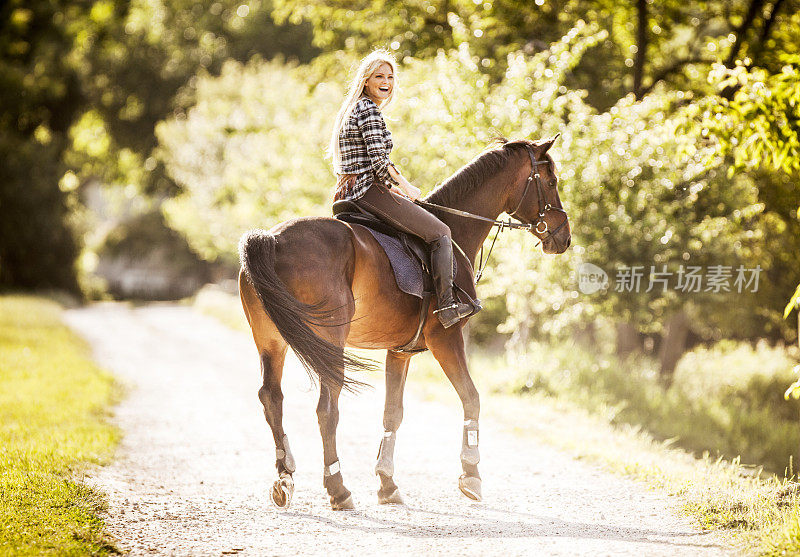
(725, 400)
(82, 85)
(760, 125)
(37, 249)
(138, 65)
(51, 408)
(638, 199)
(248, 153)
(679, 41)
(38, 98)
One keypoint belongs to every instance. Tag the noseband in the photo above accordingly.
(543, 207)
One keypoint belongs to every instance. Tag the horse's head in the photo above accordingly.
(535, 200)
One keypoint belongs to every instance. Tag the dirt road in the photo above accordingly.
(192, 474)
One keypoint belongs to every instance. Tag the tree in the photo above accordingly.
(249, 153)
(759, 126)
(648, 42)
(39, 97)
(82, 85)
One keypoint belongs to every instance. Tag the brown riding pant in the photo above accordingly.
(402, 213)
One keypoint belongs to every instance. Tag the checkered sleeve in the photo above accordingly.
(372, 127)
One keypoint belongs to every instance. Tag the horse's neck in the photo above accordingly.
(469, 233)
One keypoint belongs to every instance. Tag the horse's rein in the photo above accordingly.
(501, 223)
(510, 224)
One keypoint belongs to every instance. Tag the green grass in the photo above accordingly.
(53, 401)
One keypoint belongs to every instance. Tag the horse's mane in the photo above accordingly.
(470, 176)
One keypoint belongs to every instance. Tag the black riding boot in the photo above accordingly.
(450, 310)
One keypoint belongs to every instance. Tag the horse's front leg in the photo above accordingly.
(396, 371)
(447, 346)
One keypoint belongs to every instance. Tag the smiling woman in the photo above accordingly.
(380, 85)
(360, 145)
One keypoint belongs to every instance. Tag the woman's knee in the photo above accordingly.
(437, 230)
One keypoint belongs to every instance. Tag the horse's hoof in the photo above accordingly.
(470, 486)
(394, 498)
(282, 491)
(346, 505)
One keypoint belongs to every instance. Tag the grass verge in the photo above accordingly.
(53, 401)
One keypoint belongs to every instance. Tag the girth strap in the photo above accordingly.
(423, 314)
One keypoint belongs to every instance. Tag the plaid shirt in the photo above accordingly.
(365, 144)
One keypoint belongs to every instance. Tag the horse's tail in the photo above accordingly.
(294, 318)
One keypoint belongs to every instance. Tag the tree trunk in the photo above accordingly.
(673, 345)
(628, 339)
(641, 47)
(740, 32)
(586, 335)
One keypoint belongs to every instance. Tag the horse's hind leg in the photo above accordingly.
(396, 371)
(328, 417)
(447, 346)
(271, 398)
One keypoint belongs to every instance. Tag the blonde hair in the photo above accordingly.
(366, 68)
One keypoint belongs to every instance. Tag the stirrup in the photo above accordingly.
(452, 314)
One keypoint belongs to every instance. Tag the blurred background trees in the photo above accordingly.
(83, 86)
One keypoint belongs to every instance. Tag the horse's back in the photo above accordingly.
(313, 240)
(323, 259)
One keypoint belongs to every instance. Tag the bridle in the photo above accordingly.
(510, 224)
(543, 207)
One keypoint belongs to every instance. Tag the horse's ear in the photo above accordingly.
(547, 143)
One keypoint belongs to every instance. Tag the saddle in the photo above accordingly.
(410, 261)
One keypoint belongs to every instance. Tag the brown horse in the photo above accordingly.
(318, 285)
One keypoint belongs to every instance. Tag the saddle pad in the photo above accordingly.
(407, 270)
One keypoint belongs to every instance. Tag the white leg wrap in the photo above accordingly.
(469, 444)
(385, 464)
(285, 454)
(332, 469)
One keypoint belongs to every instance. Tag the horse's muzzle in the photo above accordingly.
(555, 244)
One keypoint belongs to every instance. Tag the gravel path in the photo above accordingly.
(192, 474)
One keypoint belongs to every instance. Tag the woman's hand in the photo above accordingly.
(408, 190)
(403, 186)
(412, 192)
